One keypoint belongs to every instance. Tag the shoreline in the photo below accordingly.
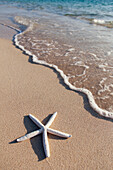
(101, 111)
(88, 93)
(31, 88)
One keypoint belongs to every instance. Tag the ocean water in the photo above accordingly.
(74, 35)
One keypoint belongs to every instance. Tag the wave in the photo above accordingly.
(91, 18)
(31, 25)
(101, 22)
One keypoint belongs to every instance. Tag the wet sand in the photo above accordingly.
(27, 88)
(6, 32)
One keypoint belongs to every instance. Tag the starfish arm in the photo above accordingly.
(46, 143)
(58, 133)
(36, 121)
(29, 135)
(51, 120)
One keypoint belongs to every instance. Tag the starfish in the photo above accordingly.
(44, 129)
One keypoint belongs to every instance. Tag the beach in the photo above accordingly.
(28, 88)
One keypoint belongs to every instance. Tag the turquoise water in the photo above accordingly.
(87, 8)
(77, 36)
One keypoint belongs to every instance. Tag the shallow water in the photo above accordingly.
(83, 54)
(82, 49)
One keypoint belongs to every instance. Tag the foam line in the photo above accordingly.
(91, 99)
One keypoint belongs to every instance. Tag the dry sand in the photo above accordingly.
(30, 88)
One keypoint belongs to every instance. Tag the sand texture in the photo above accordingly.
(6, 32)
(27, 88)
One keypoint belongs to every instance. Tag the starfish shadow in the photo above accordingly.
(36, 141)
(14, 141)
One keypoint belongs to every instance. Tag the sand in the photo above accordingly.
(6, 32)
(27, 88)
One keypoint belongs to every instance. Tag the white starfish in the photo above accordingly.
(44, 129)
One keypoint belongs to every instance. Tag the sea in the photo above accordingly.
(73, 36)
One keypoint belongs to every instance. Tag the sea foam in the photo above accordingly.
(35, 59)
